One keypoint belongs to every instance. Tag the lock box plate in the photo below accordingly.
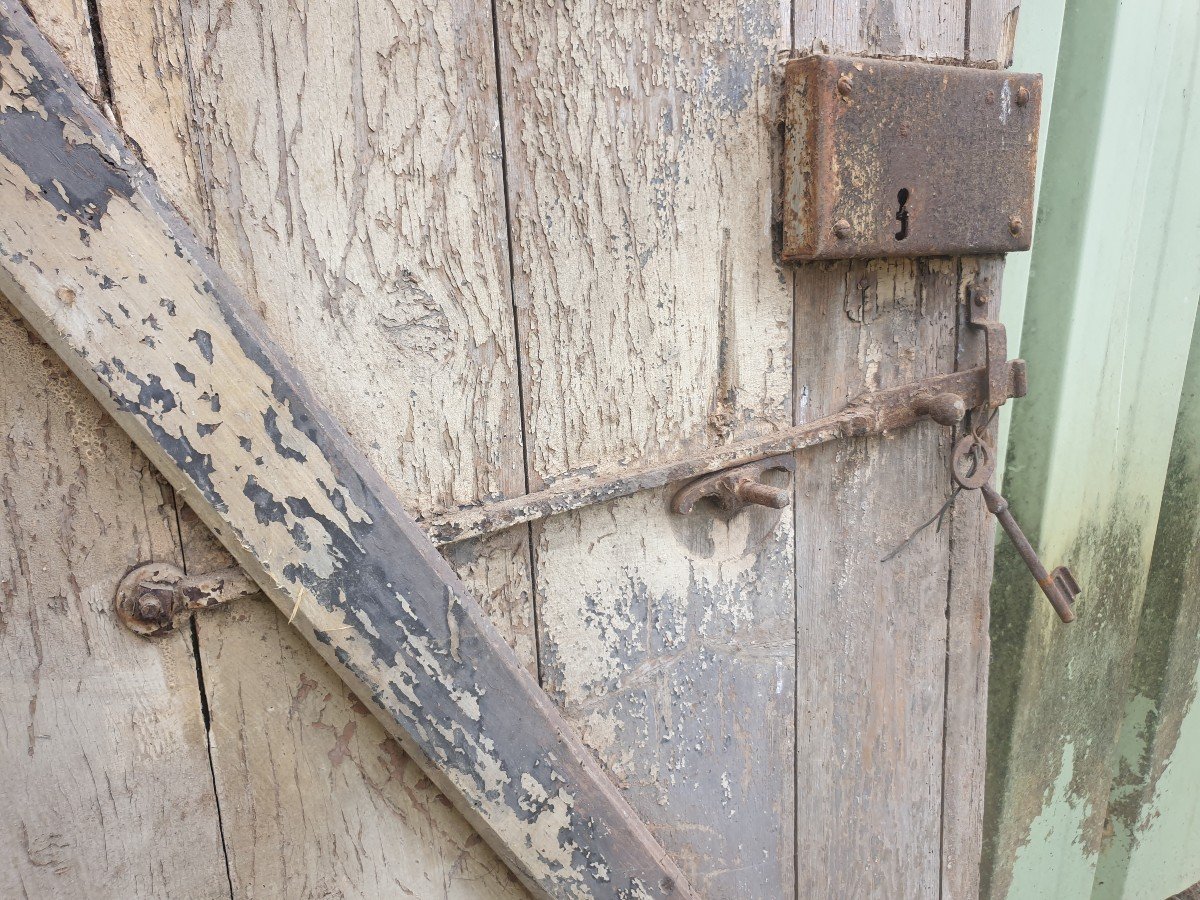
(885, 158)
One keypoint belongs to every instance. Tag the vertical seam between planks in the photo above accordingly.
(795, 615)
(791, 26)
(950, 544)
(103, 75)
(966, 60)
(205, 710)
(209, 226)
(791, 43)
(517, 356)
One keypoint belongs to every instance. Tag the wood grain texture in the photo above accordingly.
(990, 37)
(871, 648)
(66, 25)
(654, 322)
(317, 800)
(972, 542)
(875, 827)
(149, 82)
(993, 31)
(173, 351)
(106, 787)
(917, 29)
(422, 289)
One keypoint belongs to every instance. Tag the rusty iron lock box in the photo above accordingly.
(890, 159)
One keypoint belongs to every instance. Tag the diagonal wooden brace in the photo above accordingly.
(112, 278)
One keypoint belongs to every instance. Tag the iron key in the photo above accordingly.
(1059, 586)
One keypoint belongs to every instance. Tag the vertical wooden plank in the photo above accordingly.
(346, 161)
(148, 74)
(990, 39)
(107, 789)
(107, 785)
(871, 651)
(992, 32)
(653, 321)
(921, 29)
(972, 542)
(874, 635)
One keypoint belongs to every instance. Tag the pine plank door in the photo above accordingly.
(509, 244)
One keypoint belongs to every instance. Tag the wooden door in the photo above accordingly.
(507, 245)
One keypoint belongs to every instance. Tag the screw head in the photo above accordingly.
(1022, 95)
(841, 229)
(1015, 225)
(845, 86)
(150, 607)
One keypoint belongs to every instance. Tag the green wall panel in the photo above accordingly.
(1111, 300)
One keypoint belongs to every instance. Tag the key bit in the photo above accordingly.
(1059, 586)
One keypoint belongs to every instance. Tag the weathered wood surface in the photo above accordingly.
(106, 782)
(414, 282)
(66, 26)
(919, 29)
(105, 768)
(992, 32)
(316, 798)
(971, 532)
(171, 349)
(654, 322)
(651, 320)
(884, 680)
(871, 634)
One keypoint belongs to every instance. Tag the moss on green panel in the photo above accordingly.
(1109, 319)
(1154, 817)
(1053, 691)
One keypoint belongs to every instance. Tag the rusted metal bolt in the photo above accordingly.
(1015, 225)
(841, 229)
(845, 86)
(150, 607)
(761, 494)
(1022, 95)
(945, 409)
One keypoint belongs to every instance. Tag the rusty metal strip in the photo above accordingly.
(111, 277)
(875, 412)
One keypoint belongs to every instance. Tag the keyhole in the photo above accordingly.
(902, 214)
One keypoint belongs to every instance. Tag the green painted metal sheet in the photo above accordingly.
(1112, 295)
(1153, 848)
(1039, 30)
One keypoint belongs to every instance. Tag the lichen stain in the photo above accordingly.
(1056, 692)
(1167, 657)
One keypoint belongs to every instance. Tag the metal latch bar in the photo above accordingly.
(943, 398)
